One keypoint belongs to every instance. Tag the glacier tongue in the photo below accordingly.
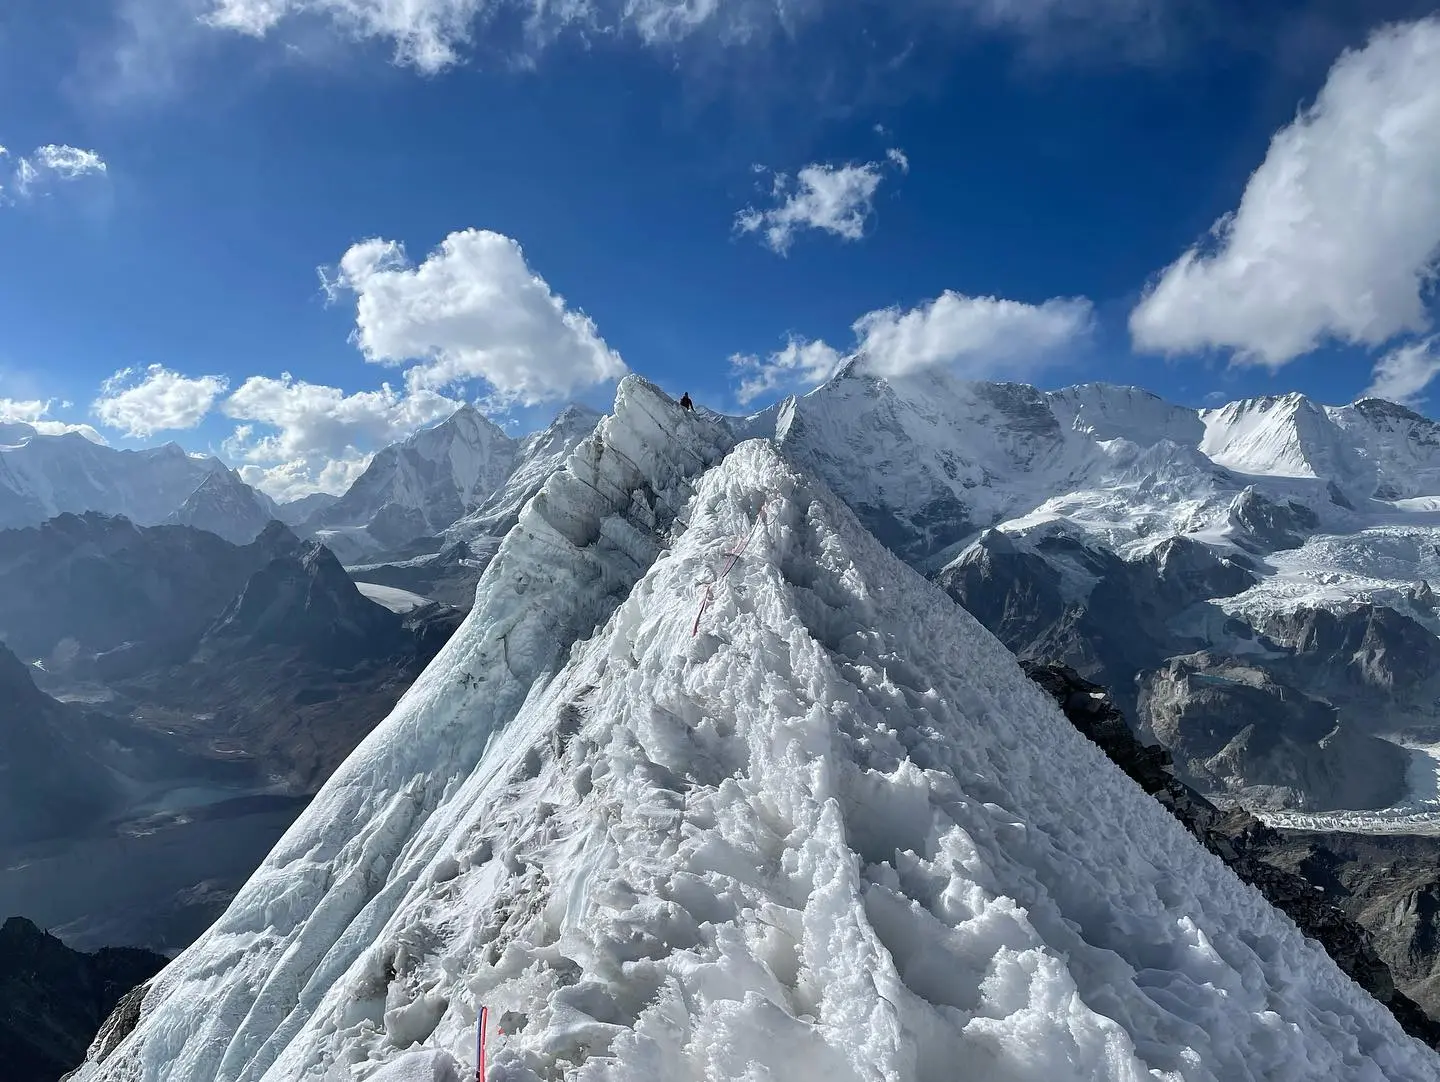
(835, 835)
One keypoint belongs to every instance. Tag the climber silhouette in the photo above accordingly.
(685, 403)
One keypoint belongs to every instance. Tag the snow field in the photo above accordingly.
(836, 835)
(392, 597)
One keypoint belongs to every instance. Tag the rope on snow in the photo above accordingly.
(734, 558)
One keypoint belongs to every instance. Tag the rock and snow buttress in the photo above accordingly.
(834, 833)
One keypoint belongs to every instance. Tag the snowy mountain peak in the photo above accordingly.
(424, 483)
(227, 507)
(829, 830)
(1106, 411)
(43, 476)
(1282, 436)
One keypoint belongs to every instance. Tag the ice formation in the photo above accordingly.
(834, 834)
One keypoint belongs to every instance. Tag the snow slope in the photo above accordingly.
(226, 506)
(392, 597)
(44, 476)
(430, 479)
(835, 835)
(929, 459)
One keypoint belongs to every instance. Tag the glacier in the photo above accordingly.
(830, 832)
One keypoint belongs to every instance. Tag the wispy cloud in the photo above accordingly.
(35, 412)
(37, 173)
(1403, 375)
(834, 199)
(979, 337)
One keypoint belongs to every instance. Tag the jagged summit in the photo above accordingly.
(226, 506)
(827, 830)
(302, 598)
(424, 483)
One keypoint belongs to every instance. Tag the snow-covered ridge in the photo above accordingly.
(44, 476)
(835, 835)
(341, 871)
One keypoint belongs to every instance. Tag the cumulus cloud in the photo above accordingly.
(801, 361)
(36, 173)
(1403, 374)
(984, 335)
(1338, 230)
(473, 310)
(832, 199)
(141, 403)
(980, 337)
(301, 437)
(35, 412)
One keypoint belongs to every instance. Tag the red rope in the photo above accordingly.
(480, 1043)
(734, 559)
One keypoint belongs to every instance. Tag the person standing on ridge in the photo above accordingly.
(685, 403)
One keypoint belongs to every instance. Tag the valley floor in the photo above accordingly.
(166, 872)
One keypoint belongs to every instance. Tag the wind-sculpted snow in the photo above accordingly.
(835, 835)
(338, 876)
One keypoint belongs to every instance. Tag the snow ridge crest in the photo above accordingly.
(836, 835)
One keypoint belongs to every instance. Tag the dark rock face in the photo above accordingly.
(1368, 646)
(1237, 838)
(1266, 526)
(1234, 729)
(104, 582)
(53, 1000)
(304, 600)
(1388, 883)
(1113, 632)
(51, 781)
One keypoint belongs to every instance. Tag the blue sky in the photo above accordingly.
(1053, 160)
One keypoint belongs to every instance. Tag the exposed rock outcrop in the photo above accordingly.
(53, 1000)
(1237, 838)
(1234, 729)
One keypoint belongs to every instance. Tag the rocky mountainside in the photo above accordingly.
(449, 569)
(1341, 890)
(227, 507)
(54, 779)
(92, 583)
(45, 476)
(54, 999)
(668, 813)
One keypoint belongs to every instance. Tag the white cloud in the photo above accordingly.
(35, 413)
(35, 173)
(986, 336)
(833, 199)
(981, 337)
(1338, 230)
(434, 35)
(472, 310)
(1403, 374)
(801, 361)
(426, 34)
(305, 437)
(141, 404)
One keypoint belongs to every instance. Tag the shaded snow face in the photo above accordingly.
(834, 835)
